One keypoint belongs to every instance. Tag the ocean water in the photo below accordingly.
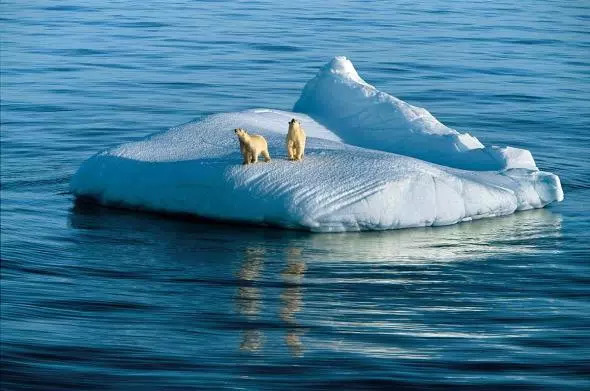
(107, 299)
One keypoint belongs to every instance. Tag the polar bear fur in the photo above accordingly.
(295, 140)
(251, 146)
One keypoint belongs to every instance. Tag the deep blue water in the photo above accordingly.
(97, 298)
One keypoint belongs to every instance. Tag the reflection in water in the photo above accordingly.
(249, 298)
(480, 239)
(252, 340)
(291, 298)
(517, 233)
(381, 292)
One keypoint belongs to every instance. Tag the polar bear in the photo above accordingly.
(295, 140)
(251, 146)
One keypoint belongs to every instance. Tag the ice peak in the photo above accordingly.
(362, 115)
(342, 67)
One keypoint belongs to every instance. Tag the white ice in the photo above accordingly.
(366, 117)
(196, 168)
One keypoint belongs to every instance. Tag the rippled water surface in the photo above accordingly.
(97, 298)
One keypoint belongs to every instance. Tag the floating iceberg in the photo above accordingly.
(372, 162)
(366, 117)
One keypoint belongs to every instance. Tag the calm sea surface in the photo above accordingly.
(97, 298)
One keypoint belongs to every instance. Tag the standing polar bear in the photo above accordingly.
(295, 140)
(252, 146)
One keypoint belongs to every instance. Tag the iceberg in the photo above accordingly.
(372, 162)
(366, 117)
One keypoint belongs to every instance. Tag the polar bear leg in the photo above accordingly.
(298, 151)
(266, 155)
(290, 150)
(254, 156)
(246, 157)
(244, 152)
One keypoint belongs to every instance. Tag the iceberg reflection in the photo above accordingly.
(262, 277)
(517, 233)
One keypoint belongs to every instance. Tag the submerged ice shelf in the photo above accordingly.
(372, 162)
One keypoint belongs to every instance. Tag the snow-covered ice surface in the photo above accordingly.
(364, 116)
(353, 177)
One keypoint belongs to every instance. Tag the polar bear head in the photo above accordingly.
(294, 124)
(240, 132)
